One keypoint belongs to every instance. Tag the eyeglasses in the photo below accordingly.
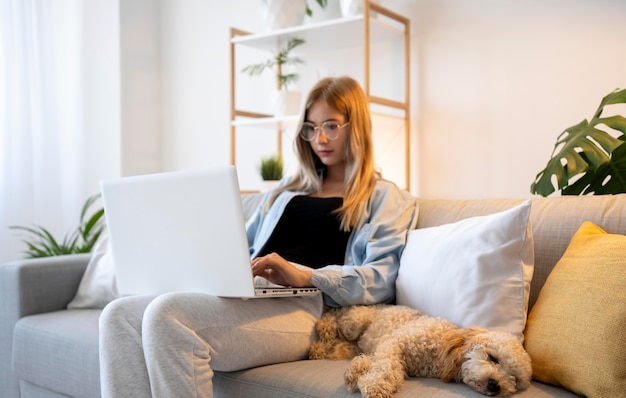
(331, 130)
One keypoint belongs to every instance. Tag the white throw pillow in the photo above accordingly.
(474, 272)
(98, 286)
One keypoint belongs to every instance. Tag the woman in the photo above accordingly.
(336, 225)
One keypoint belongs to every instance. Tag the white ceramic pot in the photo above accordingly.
(268, 185)
(286, 102)
(350, 8)
(280, 14)
(319, 14)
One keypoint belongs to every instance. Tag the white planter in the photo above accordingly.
(286, 102)
(268, 185)
(350, 8)
(280, 14)
(331, 11)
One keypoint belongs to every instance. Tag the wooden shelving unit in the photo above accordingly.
(375, 24)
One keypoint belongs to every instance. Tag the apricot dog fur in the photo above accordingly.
(389, 343)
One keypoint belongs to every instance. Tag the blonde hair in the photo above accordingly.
(346, 96)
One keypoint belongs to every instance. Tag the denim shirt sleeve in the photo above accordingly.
(373, 252)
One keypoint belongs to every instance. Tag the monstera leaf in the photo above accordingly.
(587, 159)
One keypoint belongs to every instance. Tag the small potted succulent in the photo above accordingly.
(286, 101)
(271, 170)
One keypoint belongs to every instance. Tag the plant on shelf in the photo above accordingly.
(286, 102)
(41, 243)
(587, 159)
(271, 168)
(283, 58)
(321, 3)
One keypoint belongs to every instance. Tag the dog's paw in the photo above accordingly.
(344, 350)
(327, 327)
(376, 391)
(333, 350)
(358, 367)
(320, 350)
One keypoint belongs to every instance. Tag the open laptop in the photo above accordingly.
(182, 231)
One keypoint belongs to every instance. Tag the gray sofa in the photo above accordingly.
(49, 351)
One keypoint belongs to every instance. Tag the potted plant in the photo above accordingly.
(587, 159)
(41, 243)
(286, 101)
(322, 10)
(280, 14)
(271, 169)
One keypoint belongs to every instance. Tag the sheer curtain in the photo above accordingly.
(41, 135)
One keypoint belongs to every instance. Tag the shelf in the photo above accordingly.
(381, 26)
(322, 36)
(291, 121)
(281, 123)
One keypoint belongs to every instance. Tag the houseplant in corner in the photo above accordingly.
(286, 102)
(587, 159)
(41, 243)
(271, 169)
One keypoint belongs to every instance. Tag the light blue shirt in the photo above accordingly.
(373, 251)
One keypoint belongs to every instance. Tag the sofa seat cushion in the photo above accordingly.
(324, 378)
(59, 351)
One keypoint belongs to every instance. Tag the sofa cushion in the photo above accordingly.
(98, 286)
(474, 272)
(576, 333)
(324, 379)
(59, 351)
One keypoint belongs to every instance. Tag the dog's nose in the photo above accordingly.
(493, 386)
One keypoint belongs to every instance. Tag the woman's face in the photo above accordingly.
(330, 152)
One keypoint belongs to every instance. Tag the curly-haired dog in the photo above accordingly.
(398, 341)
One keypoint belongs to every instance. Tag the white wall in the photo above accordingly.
(500, 79)
(101, 84)
(493, 84)
(196, 84)
(140, 86)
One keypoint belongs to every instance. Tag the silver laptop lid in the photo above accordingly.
(179, 231)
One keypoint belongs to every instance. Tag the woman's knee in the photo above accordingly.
(126, 310)
(171, 308)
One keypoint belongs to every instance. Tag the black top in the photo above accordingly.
(308, 233)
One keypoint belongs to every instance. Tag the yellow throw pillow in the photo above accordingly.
(576, 331)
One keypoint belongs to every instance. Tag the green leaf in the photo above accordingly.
(584, 150)
(610, 178)
(41, 243)
(281, 58)
(93, 222)
(271, 168)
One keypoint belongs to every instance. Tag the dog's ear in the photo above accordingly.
(457, 343)
(451, 355)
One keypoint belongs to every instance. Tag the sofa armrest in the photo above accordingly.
(33, 286)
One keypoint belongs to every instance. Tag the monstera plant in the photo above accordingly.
(587, 159)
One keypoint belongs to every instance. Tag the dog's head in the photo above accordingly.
(491, 362)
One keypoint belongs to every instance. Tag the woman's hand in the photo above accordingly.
(280, 271)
